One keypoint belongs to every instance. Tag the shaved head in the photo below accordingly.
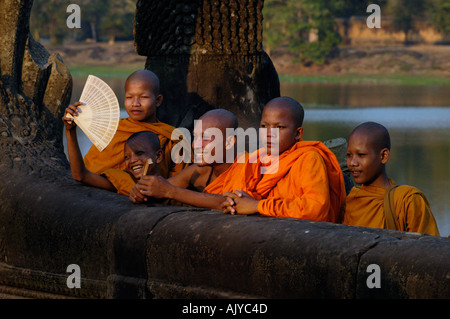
(290, 105)
(212, 137)
(145, 76)
(376, 133)
(221, 119)
(145, 137)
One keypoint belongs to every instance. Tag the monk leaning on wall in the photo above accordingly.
(138, 149)
(201, 183)
(379, 202)
(303, 181)
(142, 98)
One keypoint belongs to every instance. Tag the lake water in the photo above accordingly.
(417, 117)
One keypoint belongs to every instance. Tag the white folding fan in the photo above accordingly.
(99, 115)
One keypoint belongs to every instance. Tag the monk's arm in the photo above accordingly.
(240, 203)
(183, 178)
(158, 187)
(176, 168)
(77, 167)
(198, 199)
(307, 196)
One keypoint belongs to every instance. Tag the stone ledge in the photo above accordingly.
(156, 251)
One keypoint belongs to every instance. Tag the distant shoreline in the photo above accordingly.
(390, 79)
(391, 65)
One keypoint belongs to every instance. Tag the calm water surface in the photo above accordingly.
(417, 117)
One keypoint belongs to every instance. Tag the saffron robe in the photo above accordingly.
(112, 156)
(365, 207)
(224, 182)
(305, 182)
(121, 180)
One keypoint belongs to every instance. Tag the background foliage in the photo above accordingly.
(101, 20)
(306, 27)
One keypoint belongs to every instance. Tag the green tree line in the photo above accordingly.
(305, 26)
(296, 22)
(101, 20)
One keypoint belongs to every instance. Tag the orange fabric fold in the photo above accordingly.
(365, 208)
(225, 181)
(112, 156)
(305, 181)
(122, 180)
(308, 184)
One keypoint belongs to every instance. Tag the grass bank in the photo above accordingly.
(119, 71)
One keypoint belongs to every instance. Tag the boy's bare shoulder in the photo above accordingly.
(194, 168)
(191, 176)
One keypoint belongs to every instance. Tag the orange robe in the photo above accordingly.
(364, 207)
(121, 180)
(112, 156)
(307, 183)
(223, 183)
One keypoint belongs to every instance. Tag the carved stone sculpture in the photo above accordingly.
(208, 54)
(34, 87)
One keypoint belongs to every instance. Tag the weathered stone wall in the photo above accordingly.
(138, 251)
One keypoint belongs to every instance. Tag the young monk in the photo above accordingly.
(200, 184)
(142, 98)
(307, 181)
(368, 152)
(138, 149)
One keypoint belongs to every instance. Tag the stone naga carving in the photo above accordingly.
(208, 54)
(35, 87)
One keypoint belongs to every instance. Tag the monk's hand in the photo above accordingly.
(244, 204)
(69, 123)
(154, 186)
(136, 196)
(228, 203)
(241, 194)
(247, 206)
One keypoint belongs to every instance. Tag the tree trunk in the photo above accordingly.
(93, 31)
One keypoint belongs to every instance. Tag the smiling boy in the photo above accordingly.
(142, 98)
(306, 181)
(142, 155)
(139, 148)
(369, 204)
(201, 184)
